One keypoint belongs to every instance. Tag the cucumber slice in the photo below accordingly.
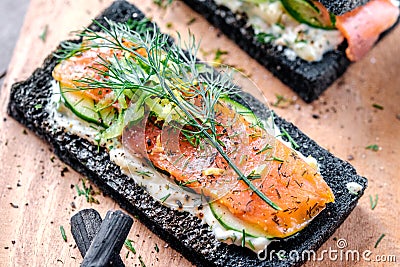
(305, 11)
(108, 116)
(115, 129)
(81, 106)
(242, 110)
(230, 222)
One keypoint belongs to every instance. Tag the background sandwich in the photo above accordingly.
(306, 44)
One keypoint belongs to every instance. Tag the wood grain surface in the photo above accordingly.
(36, 196)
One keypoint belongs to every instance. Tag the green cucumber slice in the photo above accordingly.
(108, 116)
(230, 222)
(307, 12)
(81, 106)
(242, 110)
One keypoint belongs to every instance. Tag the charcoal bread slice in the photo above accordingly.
(307, 79)
(183, 231)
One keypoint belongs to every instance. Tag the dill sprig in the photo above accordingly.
(291, 140)
(62, 230)
(88, 192)
(379, 240)
(129, 246)
(166, 71)
(373, 202)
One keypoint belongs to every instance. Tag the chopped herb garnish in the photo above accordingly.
(169, 25)
(128, 245)
(377, 106)
(280, 255)
(186, 183)
(373, 147)
(251, 245)
(162, 3)
(267, 147)
(244, 238)
(43, 35)
(291, 140)
(264, 38)
(379, 240)
(297, 41)
(62, 230)
(280, 25)
(191, 21)
(38, 106)
(253, 175)
(144, 173)
(138, 25)
(281, 101)
(156, 248)
(88, 192)
(164, 198)
(275, 159)
(373, 202)
(141, 261)
(218, 55)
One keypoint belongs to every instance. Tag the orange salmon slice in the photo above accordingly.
(363, 25)
(288, 180)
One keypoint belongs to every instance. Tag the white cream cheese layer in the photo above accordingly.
(272, 23)
(155, 183)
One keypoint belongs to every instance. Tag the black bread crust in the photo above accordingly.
(343, 6)
(308, 79)
(183, 231)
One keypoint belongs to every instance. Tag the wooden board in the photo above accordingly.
(343, 120)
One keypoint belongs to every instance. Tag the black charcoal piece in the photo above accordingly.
(109, 240)
(84, 227)
(183, 231)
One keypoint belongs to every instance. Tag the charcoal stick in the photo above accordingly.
(109, 239)
(84, 227)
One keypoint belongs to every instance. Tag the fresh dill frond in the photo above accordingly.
(69, 49)
(154, 69)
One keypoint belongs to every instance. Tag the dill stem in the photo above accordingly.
(220, 150)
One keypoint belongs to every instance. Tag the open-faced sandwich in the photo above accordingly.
(202, 163)
(306, 44)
